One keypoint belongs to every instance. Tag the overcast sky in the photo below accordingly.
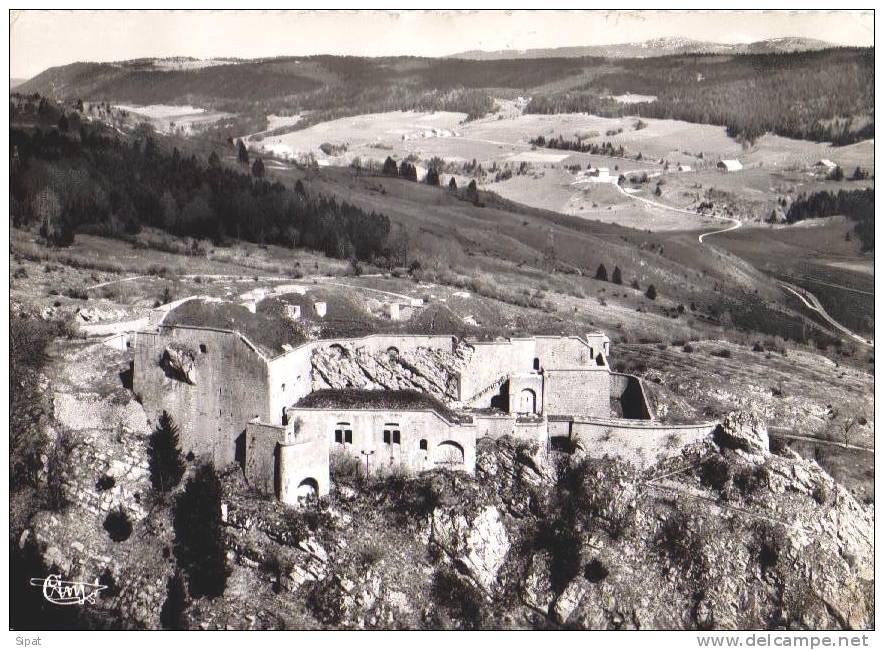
(42, 39)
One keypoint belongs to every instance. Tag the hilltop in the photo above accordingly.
(652, 48)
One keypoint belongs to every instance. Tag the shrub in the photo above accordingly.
(105, 483)
(117, 525)
(687, 347)
(595, 570)
(724, 353)
(459, 598)
(54, 497)
(717, 473)
(768, 543)
(651, 293)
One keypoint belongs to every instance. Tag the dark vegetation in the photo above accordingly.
(118, 525)
(823, 95)
(93, 181)
(749, 94)
(165, 461)
(858, 205)
(199, 536)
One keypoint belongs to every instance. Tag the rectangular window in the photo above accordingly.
(339, 436)
(386, 436)
(396, 438)
(348, 437)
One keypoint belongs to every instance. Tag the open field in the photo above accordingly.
(183, 120)
(816, 255)
(773, 167)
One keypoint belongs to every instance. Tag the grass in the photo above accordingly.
(267, 332)
(353, 398)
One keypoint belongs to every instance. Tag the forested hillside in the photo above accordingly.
(824, 95)
(858, 205)
(92, 181)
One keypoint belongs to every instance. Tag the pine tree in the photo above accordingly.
(651, 292)
(63, 123)
(199, 537)
(214, 161)
(601, 273)
(432, 177)
(242, 154)
(617, 277)
(258, 168)
(164, 455)
(635, 284)
(172, 613)
(452, 185)
(390, 167)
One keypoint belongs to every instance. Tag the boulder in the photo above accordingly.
(179, 363)
(744, 431)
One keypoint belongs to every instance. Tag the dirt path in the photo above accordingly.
(736, 223)
(812, 302)
(820, 441)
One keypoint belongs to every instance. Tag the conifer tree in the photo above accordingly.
(199, 537)
(164, 455)
(617, 277)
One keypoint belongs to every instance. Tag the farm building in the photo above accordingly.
(730, 165)
(684, 168)
(825, 164)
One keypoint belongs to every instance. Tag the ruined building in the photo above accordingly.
(409, 402)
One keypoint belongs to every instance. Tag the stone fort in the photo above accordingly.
(284, 412)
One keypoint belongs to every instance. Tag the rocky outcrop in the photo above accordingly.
(179, 363)
(744, 431)
(428, 370)
(479, 543)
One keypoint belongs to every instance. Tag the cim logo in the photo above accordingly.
(64, 592)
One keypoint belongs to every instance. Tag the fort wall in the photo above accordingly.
(641, 443)
(426, 439)
(628, 390)
(229, 387)
(577, 392)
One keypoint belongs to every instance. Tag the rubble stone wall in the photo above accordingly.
(641, 443)
(230, 388)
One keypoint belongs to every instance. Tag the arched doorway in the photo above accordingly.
(527, 401)
(448, 453)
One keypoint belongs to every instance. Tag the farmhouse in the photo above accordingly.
(730, 165)
(684, 168)
(283, 409)
(825, 164)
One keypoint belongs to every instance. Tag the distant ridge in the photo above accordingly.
(652, 48)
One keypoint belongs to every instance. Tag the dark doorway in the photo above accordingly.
(240, 453)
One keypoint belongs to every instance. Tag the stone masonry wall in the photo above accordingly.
(577, 392)
(230, 388)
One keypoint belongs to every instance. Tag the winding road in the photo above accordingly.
(812, 302)
(807, 298)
